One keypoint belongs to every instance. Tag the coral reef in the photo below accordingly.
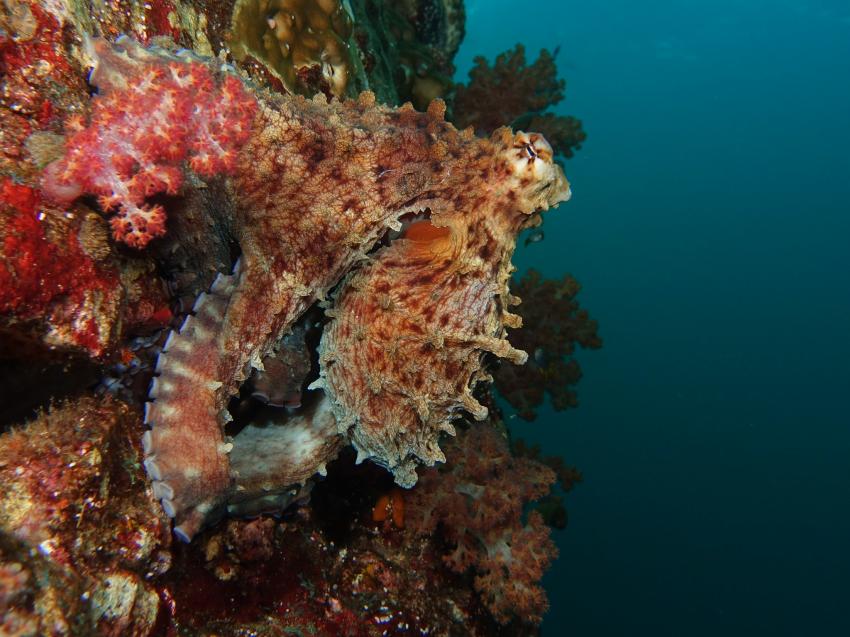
(400, 50)
(476, 502)
(341, 242)
(554, 325)
(326, 569)
(511, 92)
(80, 532)
(86, 552)
(14, 589)
(36, 77)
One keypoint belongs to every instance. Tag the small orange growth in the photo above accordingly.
(126, 355)
(162, 315)
(390, 508)
(425, 231)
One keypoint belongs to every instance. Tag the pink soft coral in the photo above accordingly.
(140, 134)
(477, 502)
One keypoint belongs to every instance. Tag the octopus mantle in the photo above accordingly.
(315, 187)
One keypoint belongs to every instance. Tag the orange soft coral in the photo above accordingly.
(512, 93)
(476, 504)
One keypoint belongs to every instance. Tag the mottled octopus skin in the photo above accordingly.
(277, 454)
(409, 330)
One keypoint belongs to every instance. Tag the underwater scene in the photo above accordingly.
(424, 317)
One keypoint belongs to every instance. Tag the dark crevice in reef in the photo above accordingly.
(336, 506)
(29, 383)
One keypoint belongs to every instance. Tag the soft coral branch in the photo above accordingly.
(477, 502)
(153, 116)
(514, 93)
(554, 325)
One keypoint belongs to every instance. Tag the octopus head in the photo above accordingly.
(537, 181)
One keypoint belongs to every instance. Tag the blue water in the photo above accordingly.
(710, 227)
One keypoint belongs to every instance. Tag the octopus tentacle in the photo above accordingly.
(186, 458)
(275, 457)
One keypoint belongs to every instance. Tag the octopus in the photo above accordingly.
(402, 227)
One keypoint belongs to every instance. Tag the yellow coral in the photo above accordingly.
(293, 36)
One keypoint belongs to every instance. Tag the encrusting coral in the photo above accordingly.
(77, 513)
(291, 37)
(317, 185)
(58, 284)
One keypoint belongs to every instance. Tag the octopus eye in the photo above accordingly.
(532, 154)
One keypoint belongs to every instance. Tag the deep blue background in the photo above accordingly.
(710, 227)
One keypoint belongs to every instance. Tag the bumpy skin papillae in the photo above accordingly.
(405, 346)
